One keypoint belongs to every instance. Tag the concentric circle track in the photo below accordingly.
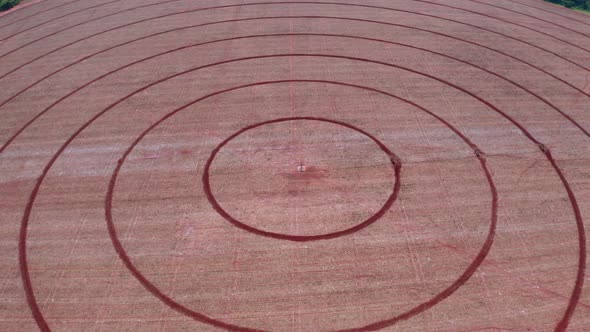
(305, 3)
(396, 171)
(151, 131)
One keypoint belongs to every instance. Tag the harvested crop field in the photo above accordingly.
(347, 165)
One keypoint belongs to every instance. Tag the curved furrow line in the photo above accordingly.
(10, 13)
(533, 17)
(286, 2)
(38, 13)
(36, 117)
(509, 22)
(82, 23)
(378, 22)
(57, 18)
(577, 289)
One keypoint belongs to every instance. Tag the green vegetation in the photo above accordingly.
(7, 4)
(585, 11)
(579, 5)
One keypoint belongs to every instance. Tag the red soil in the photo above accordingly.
(294, 166)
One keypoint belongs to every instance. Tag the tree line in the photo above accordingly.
(7, 4)
(582, 4)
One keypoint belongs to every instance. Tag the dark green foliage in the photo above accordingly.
(7, 4)
(582, 4)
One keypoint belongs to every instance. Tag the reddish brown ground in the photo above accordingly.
(454, 176)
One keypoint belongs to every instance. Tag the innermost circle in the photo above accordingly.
(301, 178)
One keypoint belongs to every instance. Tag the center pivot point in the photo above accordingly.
(301, 167)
